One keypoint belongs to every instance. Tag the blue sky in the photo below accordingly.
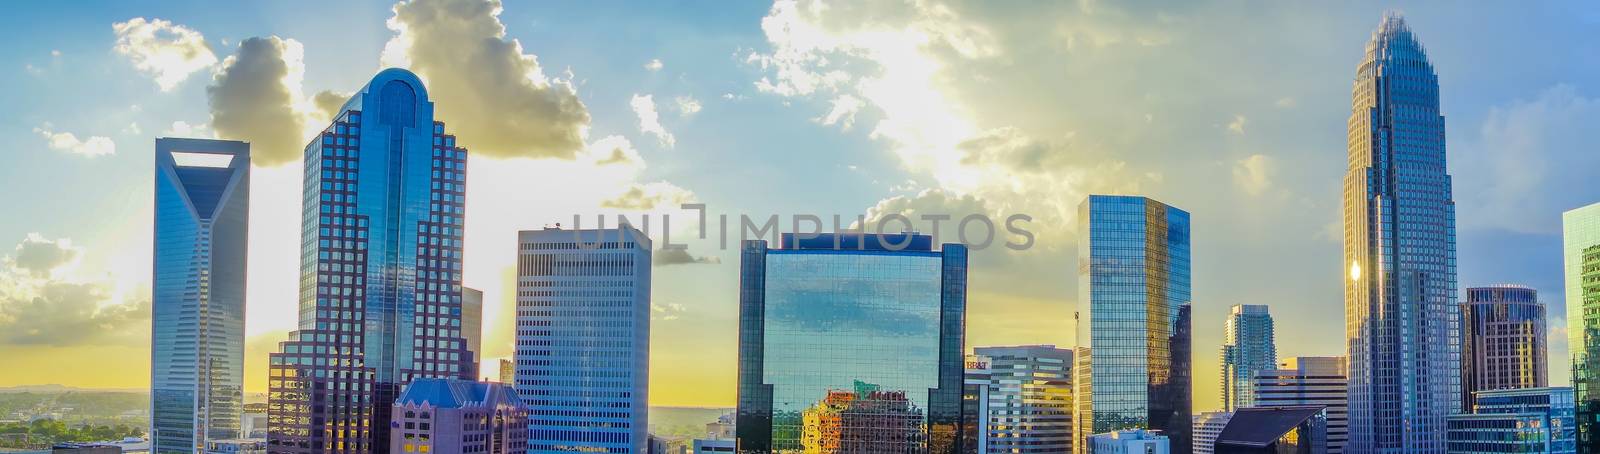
(1233, 111)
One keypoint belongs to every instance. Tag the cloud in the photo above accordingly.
(133, 128)
(1253, 174)
(69, 143)
(667, 311)
(1285, 102)
(182, 128)
(654, 65)
(614, 150)
(1238, 123)
(679, 255)
(687, 105)
(328, 103)
(163, 50)
(39, 256)
(644, 106)
(1531, 160)
(504, 105)
(39, 308)
(655, 196)
(255, 97)
(843, 112)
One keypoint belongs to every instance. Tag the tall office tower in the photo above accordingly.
(380, 272)
(1516, 420)
(1401, 318)
(975, 403)
(1026, 403)
(440, 416)
(857, 332)
(1207, 426)
(1133, 288)
(472, 324)
(197, 322)
(1502, 341)
(1310, 380)
(583, 338)
(1247, 348)
(1580, 244)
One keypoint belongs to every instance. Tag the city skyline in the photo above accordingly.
(1263, 138)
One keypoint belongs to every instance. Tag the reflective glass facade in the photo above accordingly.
(202, 200)
(1401, 317)
(849, 346)
(1502, 340)
(583, 339)
(1247, 348)
(1133, 317)
(380, 272)
(1580, 244)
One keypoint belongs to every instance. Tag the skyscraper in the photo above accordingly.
(1133, 289)
(583, 339)
(838, 328)
(202, 211)
(1502, 341)
(380, 272)
(1310, 380)
(472, 324)
(1580, 244)
(1247, 348)
(1401, 317)
(1027, 404)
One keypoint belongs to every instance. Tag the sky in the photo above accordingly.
(1233, 111)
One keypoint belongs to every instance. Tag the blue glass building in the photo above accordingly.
(1133, 319)
(1516, 420)
(851, 343)
(380, 272)
(1401, 318)
(583, 339)
(1247, 349)
(202, 219)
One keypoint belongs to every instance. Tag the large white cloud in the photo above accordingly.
(164, 50)
(255, 96)
(490, 91)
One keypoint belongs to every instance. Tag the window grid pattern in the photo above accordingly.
(1402, 320)
(1133, 271)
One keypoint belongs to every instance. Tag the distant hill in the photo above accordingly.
(57, 389)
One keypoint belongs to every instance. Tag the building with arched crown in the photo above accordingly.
(380, 272)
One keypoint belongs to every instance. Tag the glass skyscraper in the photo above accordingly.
(1502, 341)
(851, 343)
(1133, 292)
(1401, 317)
(380, 272)
(583, 339)
(1580, 244)
(202, 219)
(1247, 349)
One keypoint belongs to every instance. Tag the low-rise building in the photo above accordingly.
(1275, 430)
(442, 416)
(1515, 420)
(1133, 441)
